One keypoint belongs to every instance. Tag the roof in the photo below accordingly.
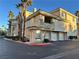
(63, 10)
(42, 13)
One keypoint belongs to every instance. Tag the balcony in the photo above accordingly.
(45, 25)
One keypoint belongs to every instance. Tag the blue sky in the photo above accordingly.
(46, 5)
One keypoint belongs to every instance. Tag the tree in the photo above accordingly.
(23, 6)
(20, 20)
(77, 13)
(11, 18)
(26, 3)
(3, 30)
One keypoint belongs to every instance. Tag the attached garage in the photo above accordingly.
(54, 36)
(58, 36)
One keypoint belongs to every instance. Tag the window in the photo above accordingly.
(70, 27)
(47, 19)
(63, 14)
(73, 19)
(28, 23)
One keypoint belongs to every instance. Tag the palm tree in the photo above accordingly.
(26, 3)
(23, 6)
(11, 18)
(20, 20)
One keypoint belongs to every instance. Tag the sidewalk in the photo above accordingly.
(30, 43)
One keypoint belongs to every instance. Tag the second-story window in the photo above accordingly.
(28, 23)
(63, 14)
(47, 19)
(73, 19)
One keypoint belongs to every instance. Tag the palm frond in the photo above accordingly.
(77, 13)
(11, 14)
(17, 6)
(24, 0)
(20, 5)
(28, 2)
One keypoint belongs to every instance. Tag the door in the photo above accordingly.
(54, 36)
(61, 36)
(46, 35)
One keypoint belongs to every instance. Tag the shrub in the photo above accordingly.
(46, 40)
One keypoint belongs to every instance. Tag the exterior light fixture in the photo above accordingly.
(38, 31)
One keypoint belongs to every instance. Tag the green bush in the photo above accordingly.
(46, 40)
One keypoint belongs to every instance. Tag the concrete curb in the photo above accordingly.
(30, 43)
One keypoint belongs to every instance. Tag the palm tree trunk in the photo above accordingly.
(24, 26)
(19, 27)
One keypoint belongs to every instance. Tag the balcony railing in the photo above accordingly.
(45, 25)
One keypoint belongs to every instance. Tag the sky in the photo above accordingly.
(45, 5)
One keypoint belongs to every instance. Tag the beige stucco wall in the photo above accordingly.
(58, 25)
(35, 21)
(32, 35)
(15, 28)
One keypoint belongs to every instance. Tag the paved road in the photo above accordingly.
(57, 50)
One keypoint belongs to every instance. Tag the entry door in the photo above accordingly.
(47, 36)
(54, 36)
(61, 36)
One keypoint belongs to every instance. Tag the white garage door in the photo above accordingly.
(54, 36)
(61, 36)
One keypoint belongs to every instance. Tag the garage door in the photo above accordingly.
(54, 36)
(61, 36)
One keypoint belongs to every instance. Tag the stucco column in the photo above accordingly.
(32, 36)
(42, 35)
